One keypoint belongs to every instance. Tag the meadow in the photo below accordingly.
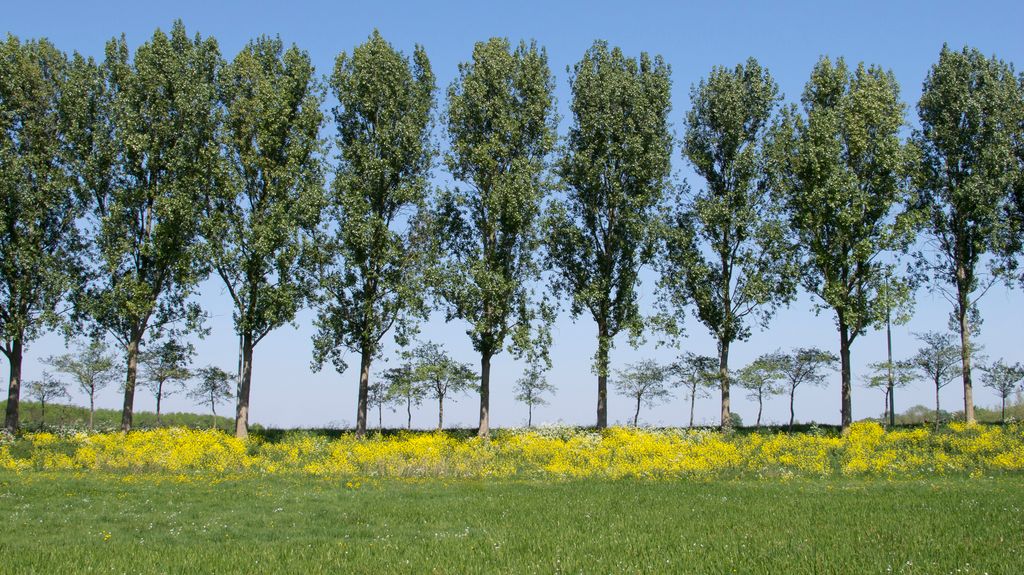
(546, 500)
(67, 522)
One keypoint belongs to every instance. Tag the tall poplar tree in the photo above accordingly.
(840, 178)
(615, 169)
(972, 114)
(146, 151)
(501, 125)
(260, 218)
(373, 276)
(726, 249)
(40, 245)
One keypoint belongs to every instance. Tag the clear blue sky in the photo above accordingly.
(787, 38)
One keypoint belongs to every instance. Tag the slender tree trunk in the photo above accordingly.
(937, 388)
(760, 407)
(1002, 413)
(364, 390)
(13, 415)
(159, 396)
(529, 415)
(408, 412)
(636, 416)
(846, 409)
(213, 415)
(42, 412)
(440, 413)
(380, 417)
(602, 373)
(485, 394)
(891, 402)
(693, 401)
(792, 394)
(244, 385)
(965, 353)
(92, 407)
(129, 384)
(723, 375)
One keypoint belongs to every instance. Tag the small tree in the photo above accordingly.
(645, 382)
(939, 360)
(1003, 379)
(804, 365)
(530, 390)
(761, 379)
(902, 373)
(697, 375)
(164, 367)
(402, 387)
(212, 386)
(440, 375)
(91, 368)
(46, 391)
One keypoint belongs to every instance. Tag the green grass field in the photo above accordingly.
(66, 523)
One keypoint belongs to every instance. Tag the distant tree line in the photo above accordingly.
(125, 181)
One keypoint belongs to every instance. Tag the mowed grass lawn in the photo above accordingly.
(68, 523)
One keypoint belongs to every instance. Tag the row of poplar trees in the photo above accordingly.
(126, 182)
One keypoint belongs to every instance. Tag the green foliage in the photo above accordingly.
(155, 118)
(838, 171)
(646, 382)
(501, 126)
(725, 248)
(269, 199)
(402, 387)
(40, 246)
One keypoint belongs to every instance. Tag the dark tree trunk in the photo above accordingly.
(129, 384)
(602, 373)
(965, 353)
(244, 385)
(937, 388)
(846, 409)
(485, 394)
(408, 412)
(636, 416)
(792, 394)
(364, 390)
(760, 407)
(723, 375)
(159, 396)
(529, 415)
(92, 407)
(440, 412)
(693, 401)
(13, 415)
(891, 402)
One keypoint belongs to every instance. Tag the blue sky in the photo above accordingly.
(787, 38)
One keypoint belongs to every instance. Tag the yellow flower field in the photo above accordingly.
(868, 450)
